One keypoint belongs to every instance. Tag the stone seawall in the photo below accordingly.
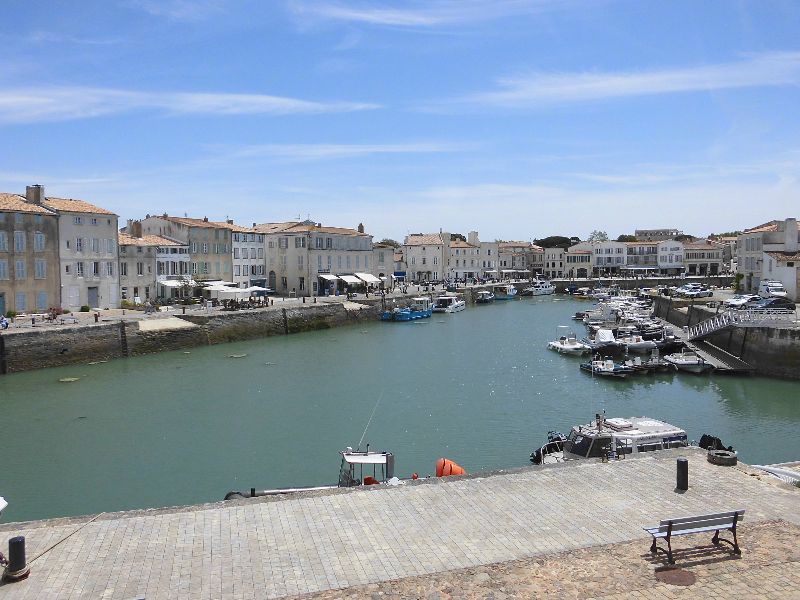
(40, 348)
(772, 351)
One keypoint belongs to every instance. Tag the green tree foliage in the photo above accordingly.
(389, 242)
(555, 241)
(598, 236)
(457, 236)
(626, 238)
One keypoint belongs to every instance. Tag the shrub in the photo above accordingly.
(11, 314)
(86, 308)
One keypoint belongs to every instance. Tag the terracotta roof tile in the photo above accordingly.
(195, 222)
(73, 205)
(146, 240)
(785, 256)
(423, 239)
(461, 244)
(234, 227)
(17, 203)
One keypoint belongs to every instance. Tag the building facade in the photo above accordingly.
(670, 257)
(88, 253)
(774, 236)
(656, 235)
(249, 255)
(641, 257)
(29, 265)
(578, 263)
(784, 266)
(554, 261)
(426, 256)
(702, 258)
(209, 243)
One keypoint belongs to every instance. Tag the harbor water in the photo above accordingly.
(478, 387)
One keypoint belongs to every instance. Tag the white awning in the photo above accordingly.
(173, 283)
(368, 277)
(217, 282)
(492, 271)
(327, 276)
(351, 279)
(509, 271)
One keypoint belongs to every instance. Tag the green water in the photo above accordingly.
(479, 387)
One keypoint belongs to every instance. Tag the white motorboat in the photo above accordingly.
(610, 438)
(3, 504)
(539, 288)
(449, 304)
(689, 361)
(606, 367)
(484, 297)
(636, 343)
(569, 344)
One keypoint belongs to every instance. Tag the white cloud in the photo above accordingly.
(67, 103)
(49, 37)
(333, 151)
(180, 10)
(421, 14)
(548, 89)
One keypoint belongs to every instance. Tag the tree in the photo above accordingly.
(389, 242)
(457, 236)
(685, 238)
(598, 236)
(555, 241)
(626, 238)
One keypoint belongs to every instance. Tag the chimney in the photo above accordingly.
(34, 194)
(230, 221)
(791, 234)
(205, 219)
(254, 225)
(360, 228)
(472, 238)
(135, 229)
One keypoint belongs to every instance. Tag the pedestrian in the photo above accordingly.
(3, 322)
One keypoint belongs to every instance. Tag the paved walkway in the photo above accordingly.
(334, 540)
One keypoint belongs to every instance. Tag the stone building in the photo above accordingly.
(702, 257)
(249, 255)
(641, 257)
(554, 261)
(751, 246)
(209, 243)
(670, 257)
(29, 266)
(151, 266)
(426, 255)
(88, 253)
(305, 258)
(578, 263)
(512, 259)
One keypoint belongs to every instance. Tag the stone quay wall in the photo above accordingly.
(772, 351)
(41, 348)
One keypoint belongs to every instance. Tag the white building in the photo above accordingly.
(554, 261)
(670, 257)
(305, 258)
(426, 255)
(608, 257)
(784, 267)
(774, 236)
(88, 254)
(249, 255)
(641, 257)
(702, 257)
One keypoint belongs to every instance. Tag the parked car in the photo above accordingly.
(741, 301)
(699, 293)
(777, 302)
(770, 289)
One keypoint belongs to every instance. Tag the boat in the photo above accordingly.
(539, 288)
(611, 438)
(689, 361)
(604, 342)
(652, 364)
(484, 297)
(449, 304)
(420, 308)
(569, 344)
(504, 292)
(606, 367)
(3, 504)
(636, 343)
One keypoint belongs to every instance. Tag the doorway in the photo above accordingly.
(94, 298)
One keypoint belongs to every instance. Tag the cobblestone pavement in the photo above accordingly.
(768, 568)
(335, 540)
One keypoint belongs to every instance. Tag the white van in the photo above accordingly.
(771, 289)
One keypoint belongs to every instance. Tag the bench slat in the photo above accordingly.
(728, 514)
(702, 522)
(663, 534)
(715, 523)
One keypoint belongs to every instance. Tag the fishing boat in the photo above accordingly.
(539, 288)
(689, 361)
(606, 367)
(504, 292)
(569, 344)
(449, 304)
(611, 438)
(484, 297)
(420, 308)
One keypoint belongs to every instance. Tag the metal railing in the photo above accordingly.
(747, 317)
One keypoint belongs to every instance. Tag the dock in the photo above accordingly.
(723, 361)
(329, 541)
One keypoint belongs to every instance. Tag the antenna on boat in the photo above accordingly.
(370, 418)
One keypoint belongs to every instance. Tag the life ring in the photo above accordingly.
(723, 458)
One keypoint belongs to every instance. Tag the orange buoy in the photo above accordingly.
(446, 467)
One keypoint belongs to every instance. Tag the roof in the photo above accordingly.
(146, 240)
(423, 239)
(74, 205)
(765, 227)
(305, 227)
(17, 203)
(702, 245)
(785, 256)
(274, 227)
(461, 244)
(234, 227)
(578, 251)
(194, 222)
(505, 245)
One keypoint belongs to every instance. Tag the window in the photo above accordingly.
(299, 242)
(348, 261)
(93, 220)
(237, 270)
(123, 269)
(366, 263)
(328, 243)
(21, 301)
(147, 292)
(96, 268)
(19, 241)
(299, 261)
(3, 241)
(77, 220)
(96, 245)
(67, 269)
(339, 262)
(283, 242)
(330, 262)
(3, 270)
(260, 253)
(39, 269)
(140, 268)
(109, 245)
(41, 301)
(19, 270)
(319, 243)
(38, 242)
(358, 261)
(78, 244)
(236, 253)
(205, 247)
(110, 269)
(302, 283)
(284, 283)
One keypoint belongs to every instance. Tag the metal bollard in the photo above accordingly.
(304, 299)
(17, 568)
(683, 474)
(96, 317)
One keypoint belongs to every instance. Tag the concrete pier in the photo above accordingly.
(274, 547)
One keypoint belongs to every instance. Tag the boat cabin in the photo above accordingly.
(365, 468)
(421, 304)
(605, 438)
(445, 301)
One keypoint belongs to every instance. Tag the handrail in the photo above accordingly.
(733, 317)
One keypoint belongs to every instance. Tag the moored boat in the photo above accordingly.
(484, 297)
(420, 308)
(504, 292)
(605, 367)
(569, 344)
(448, 304)
(539, 288)
(611, 438)
(689, 361)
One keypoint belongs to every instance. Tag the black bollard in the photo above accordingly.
(17, 568)
(683, 474)
(304, 299)
(96, 317)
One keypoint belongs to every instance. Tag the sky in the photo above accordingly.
(516, 118)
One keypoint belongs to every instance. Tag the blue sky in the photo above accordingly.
(518, 118)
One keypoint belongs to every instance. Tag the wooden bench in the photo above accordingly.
(698, 524)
